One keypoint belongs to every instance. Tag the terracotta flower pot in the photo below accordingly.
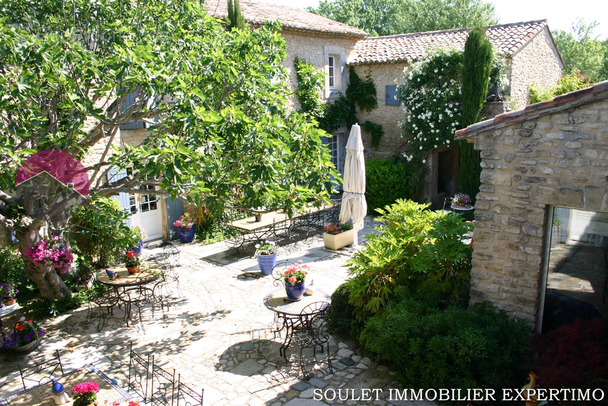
(133, 269)
(7, 301)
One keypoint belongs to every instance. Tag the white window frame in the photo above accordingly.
(331, 72)
(335, 59)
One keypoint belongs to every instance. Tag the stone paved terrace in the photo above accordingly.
(218, 335)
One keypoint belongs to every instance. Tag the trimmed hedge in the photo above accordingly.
(475, 347)
(389, 179)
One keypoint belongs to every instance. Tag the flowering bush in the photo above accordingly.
(85, 393)
(295, 274)
(186, 220)
(51, 250)
(23, 333)
(431, 97)
(131, 259)
(461, 199)
(338, 228)
(266, 249)
(7, 289)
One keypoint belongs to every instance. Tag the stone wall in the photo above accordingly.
(315, 50)
(550, 154)
(538, 62)
(388, 116)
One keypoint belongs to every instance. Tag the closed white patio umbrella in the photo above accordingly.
(354, 206)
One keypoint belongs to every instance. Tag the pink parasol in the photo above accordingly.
(58, 164)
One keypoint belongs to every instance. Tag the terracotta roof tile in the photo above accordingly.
(507, 38)
(257, 13)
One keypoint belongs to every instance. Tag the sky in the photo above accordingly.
(560, 14)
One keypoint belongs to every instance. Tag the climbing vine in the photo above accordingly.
(375, 130)
(343, 111)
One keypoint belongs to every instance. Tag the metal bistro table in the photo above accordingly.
(109, 391)
(131, 289)
(294, 315)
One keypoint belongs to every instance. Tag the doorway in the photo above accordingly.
(575, 284)
(145, 209)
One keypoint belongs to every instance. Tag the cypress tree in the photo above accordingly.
(235, 17)
(477, 65)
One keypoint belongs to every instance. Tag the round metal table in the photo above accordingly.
(295, 315)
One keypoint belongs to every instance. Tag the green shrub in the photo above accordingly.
(476, 347)
(418, 251)
(389, 179)
(42, 308)
(100, 233)
(342, 320)
(567, 83)
(12, 269)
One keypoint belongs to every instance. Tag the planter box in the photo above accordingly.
(337, 241)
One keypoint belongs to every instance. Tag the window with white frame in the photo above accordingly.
(332, 69)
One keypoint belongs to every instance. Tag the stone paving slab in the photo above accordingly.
(218, 335)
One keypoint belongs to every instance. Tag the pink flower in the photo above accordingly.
(292, 279)
(85, 387)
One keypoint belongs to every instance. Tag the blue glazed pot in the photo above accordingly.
(185, 235)
(137, 249)
(295, 292)
(267, 263)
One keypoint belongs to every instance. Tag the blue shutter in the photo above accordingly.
(175, 208)
(392, 95)
(135, 125)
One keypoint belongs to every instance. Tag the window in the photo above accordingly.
(333, 144)
(331, 71)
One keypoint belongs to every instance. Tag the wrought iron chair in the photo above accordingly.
(42, 370)
(169, 262)
(186, 396)
(162, 385)
(139, 374)
(313, 330)
(103, 304)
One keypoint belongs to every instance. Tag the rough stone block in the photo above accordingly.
(532, 230)
(594, 197)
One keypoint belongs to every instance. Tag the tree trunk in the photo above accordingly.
(50, 285)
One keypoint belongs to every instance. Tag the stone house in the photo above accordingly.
(530, 57)
(539, 162)
(332, 47)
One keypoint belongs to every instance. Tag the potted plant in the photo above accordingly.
(85, 393)
(338, 235)
(266, 255)
(461, 200)
(24, 338)
(185, 227)
(8, 292)
(295, 277)
(138, 233)
(132, 262)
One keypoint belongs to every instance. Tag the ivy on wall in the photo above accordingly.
(343, 111)
(375, 130)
